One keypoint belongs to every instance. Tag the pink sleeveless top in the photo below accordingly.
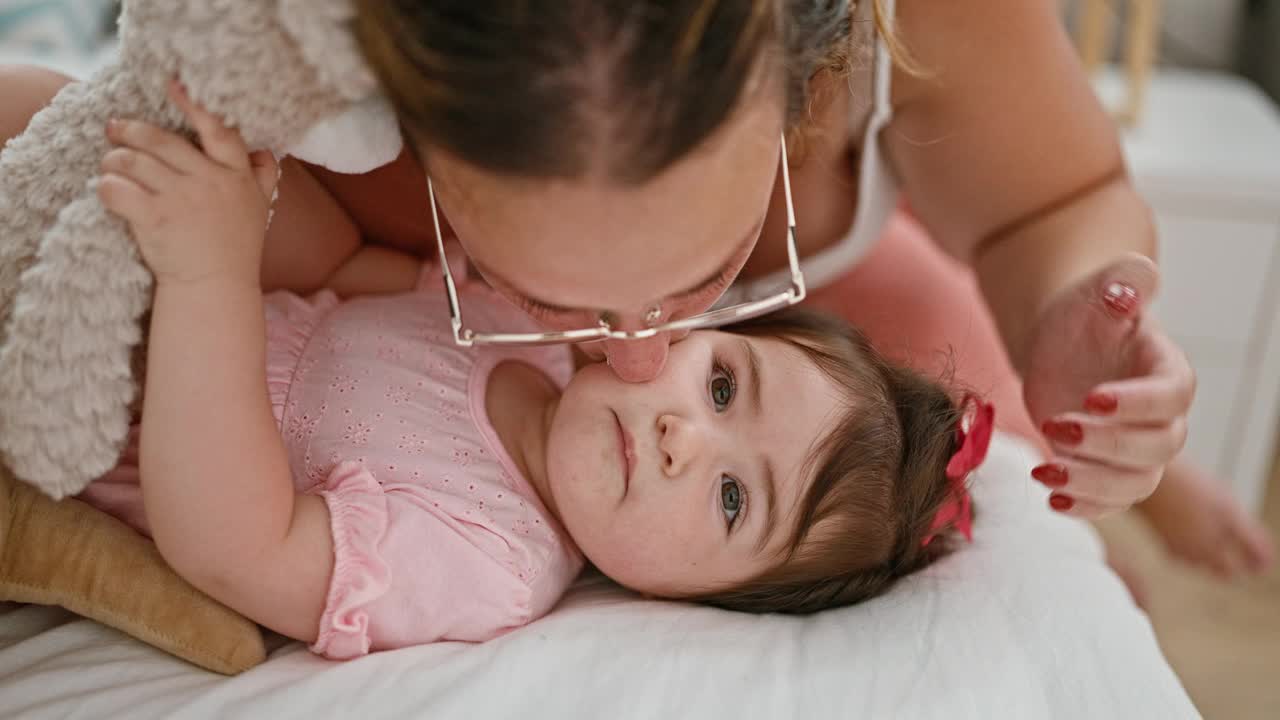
(436, 534)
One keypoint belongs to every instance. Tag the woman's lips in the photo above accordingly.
(627, 448)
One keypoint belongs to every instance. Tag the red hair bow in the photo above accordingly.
(973, 442)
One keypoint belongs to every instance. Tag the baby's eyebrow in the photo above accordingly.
(753, 362)
(771, 504)
(756, 380)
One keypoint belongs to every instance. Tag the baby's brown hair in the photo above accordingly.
(867, 518)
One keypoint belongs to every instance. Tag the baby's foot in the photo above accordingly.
(1203, 525)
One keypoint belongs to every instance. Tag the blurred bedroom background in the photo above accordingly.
(1202, 136)
(1204, 148)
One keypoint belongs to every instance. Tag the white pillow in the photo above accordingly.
(1026, 623)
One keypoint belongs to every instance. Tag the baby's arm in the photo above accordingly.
(215, 476)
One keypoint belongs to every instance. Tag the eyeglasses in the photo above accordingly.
(794, 293)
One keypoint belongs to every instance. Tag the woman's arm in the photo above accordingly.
(374, 270)
(313, 243)
(1009, 159)
(26, 90)
(1006, 154)
(310, 237)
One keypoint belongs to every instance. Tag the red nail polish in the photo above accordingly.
(1121, 299)
(1101, 403)
(1067, 432)
(1061, 503)
(1052, 475)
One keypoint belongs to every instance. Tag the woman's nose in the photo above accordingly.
(637, 360)
(679, 443)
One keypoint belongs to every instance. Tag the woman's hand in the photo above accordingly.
(196, 215)
(1109, 389)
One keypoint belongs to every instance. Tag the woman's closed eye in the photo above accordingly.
(550, 314)
(733, 499)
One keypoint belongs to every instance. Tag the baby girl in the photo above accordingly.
(340, 472)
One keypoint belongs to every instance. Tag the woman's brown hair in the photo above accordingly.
(879, 479)
(538, 89)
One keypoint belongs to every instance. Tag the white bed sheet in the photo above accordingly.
(1026, 623)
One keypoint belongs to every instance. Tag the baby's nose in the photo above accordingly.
(679, 444)
(637, 360)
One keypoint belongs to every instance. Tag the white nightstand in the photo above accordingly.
(1207, 158)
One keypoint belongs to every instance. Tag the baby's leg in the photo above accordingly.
(1201, 523)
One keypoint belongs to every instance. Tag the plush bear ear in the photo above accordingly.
(322, 29)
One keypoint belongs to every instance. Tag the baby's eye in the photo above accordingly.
(730, 498)
(722, 387)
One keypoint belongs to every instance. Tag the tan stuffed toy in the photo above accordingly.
(69, 554)
(73, 289)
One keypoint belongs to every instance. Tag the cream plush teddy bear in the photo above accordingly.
(73, 289)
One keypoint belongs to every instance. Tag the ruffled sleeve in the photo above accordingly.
(414, 567)
(358, 518)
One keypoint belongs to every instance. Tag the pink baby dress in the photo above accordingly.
(436, 534)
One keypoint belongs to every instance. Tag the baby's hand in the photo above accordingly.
(195, 215)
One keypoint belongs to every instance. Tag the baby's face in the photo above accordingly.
(687, 483)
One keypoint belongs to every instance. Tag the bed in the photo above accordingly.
(1027, 622)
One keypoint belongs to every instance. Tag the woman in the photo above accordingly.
(619, 161)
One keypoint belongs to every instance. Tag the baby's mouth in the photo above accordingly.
(627, 451)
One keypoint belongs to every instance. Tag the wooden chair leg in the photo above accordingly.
(1141, 47)
(1093, 33)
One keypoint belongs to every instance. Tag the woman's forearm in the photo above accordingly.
(1021, 268)
(215, 476)
(310, 237)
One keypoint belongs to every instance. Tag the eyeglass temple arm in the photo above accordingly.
(451, 291)
(797, 278)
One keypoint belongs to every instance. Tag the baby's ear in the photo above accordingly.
(323, 31)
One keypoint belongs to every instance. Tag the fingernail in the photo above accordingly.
(1052, 475)
(1065, 432)
(1101, 403)
(1061, 503)
(1121, 298)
